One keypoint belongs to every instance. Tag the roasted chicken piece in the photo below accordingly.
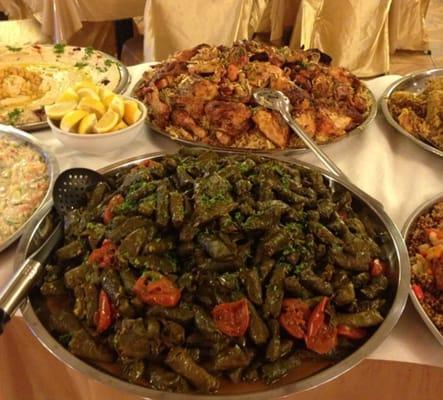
(272, 126)
(260, 73)
(159, 110)
(184, 120)
(229, 117)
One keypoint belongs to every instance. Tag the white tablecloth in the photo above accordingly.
(383, 163)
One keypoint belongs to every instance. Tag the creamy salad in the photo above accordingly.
(23, 184)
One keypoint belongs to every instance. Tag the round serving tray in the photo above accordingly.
(393, 248)
(273, 152)
(409, 224)
(52, 167)
(122, 85)
(415, 83)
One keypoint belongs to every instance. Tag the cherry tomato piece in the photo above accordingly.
(351, 333)
(321, 337)
(294, 317)
(104, 315)
(232, 319)
(418, 291)
(324, 341)
(377, 267)
(115, 201)
(161, 292)
(104, 256)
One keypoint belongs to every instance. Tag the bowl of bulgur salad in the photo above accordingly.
(27, 172)
(423, 233)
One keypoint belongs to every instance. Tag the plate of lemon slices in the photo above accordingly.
(87, 113)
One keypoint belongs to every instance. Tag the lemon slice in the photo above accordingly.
(92, 105)
(107, 123)
(108, 100)
(120, 125)
(88, 92)
(86, 84)
(117, 104)
(132, 112)
(71, 120)
(104, 93)
(87, 123)
(68, 95)
(58, 110)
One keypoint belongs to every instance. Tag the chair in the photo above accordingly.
(354, 33)
(172, 25)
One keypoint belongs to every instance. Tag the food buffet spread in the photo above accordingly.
(229, 265)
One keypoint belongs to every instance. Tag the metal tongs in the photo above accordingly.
(277, 101)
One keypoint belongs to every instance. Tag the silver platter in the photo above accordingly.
(273, 152)
(407, 228)
(393, 249)
(52, 168)
(415, 83)
(125, 80)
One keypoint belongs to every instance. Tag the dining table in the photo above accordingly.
(380, 161)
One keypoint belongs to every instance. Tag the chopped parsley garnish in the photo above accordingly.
(12, 48)
(14, 115)
(80, 65)
(65, 338)
(89, 51)
(109, 62)
(59, 48)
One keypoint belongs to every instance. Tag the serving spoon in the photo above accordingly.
(69, 192)
(277, 101)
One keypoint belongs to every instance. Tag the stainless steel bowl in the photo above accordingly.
(272, 152)
(415, 83)
(407, 228)
(52, 168)
(393, 248)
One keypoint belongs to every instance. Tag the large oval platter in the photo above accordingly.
(23, 139)
(414, 83)
(34, 76)
(406, 232)
(393, 250)
(194, 100)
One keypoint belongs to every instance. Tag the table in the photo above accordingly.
(390, 168)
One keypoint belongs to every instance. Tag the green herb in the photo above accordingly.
(14, 116)
(59, 48)
(80, 65)
(12, 48)
(89, 51)
(109, 62)
(65, 339)
(101, 69)
(127, 206)
(299, 268)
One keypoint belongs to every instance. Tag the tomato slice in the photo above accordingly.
(324, 341)
(161, 292)
(321, 337)
(294, 317)
(232, 319)
(104, 256)
(377, 267)
(351, 333)
(418, 291)
(115, 201)
(104, 316)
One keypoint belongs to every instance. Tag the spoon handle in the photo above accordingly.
(17, 288)
(322, 156)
